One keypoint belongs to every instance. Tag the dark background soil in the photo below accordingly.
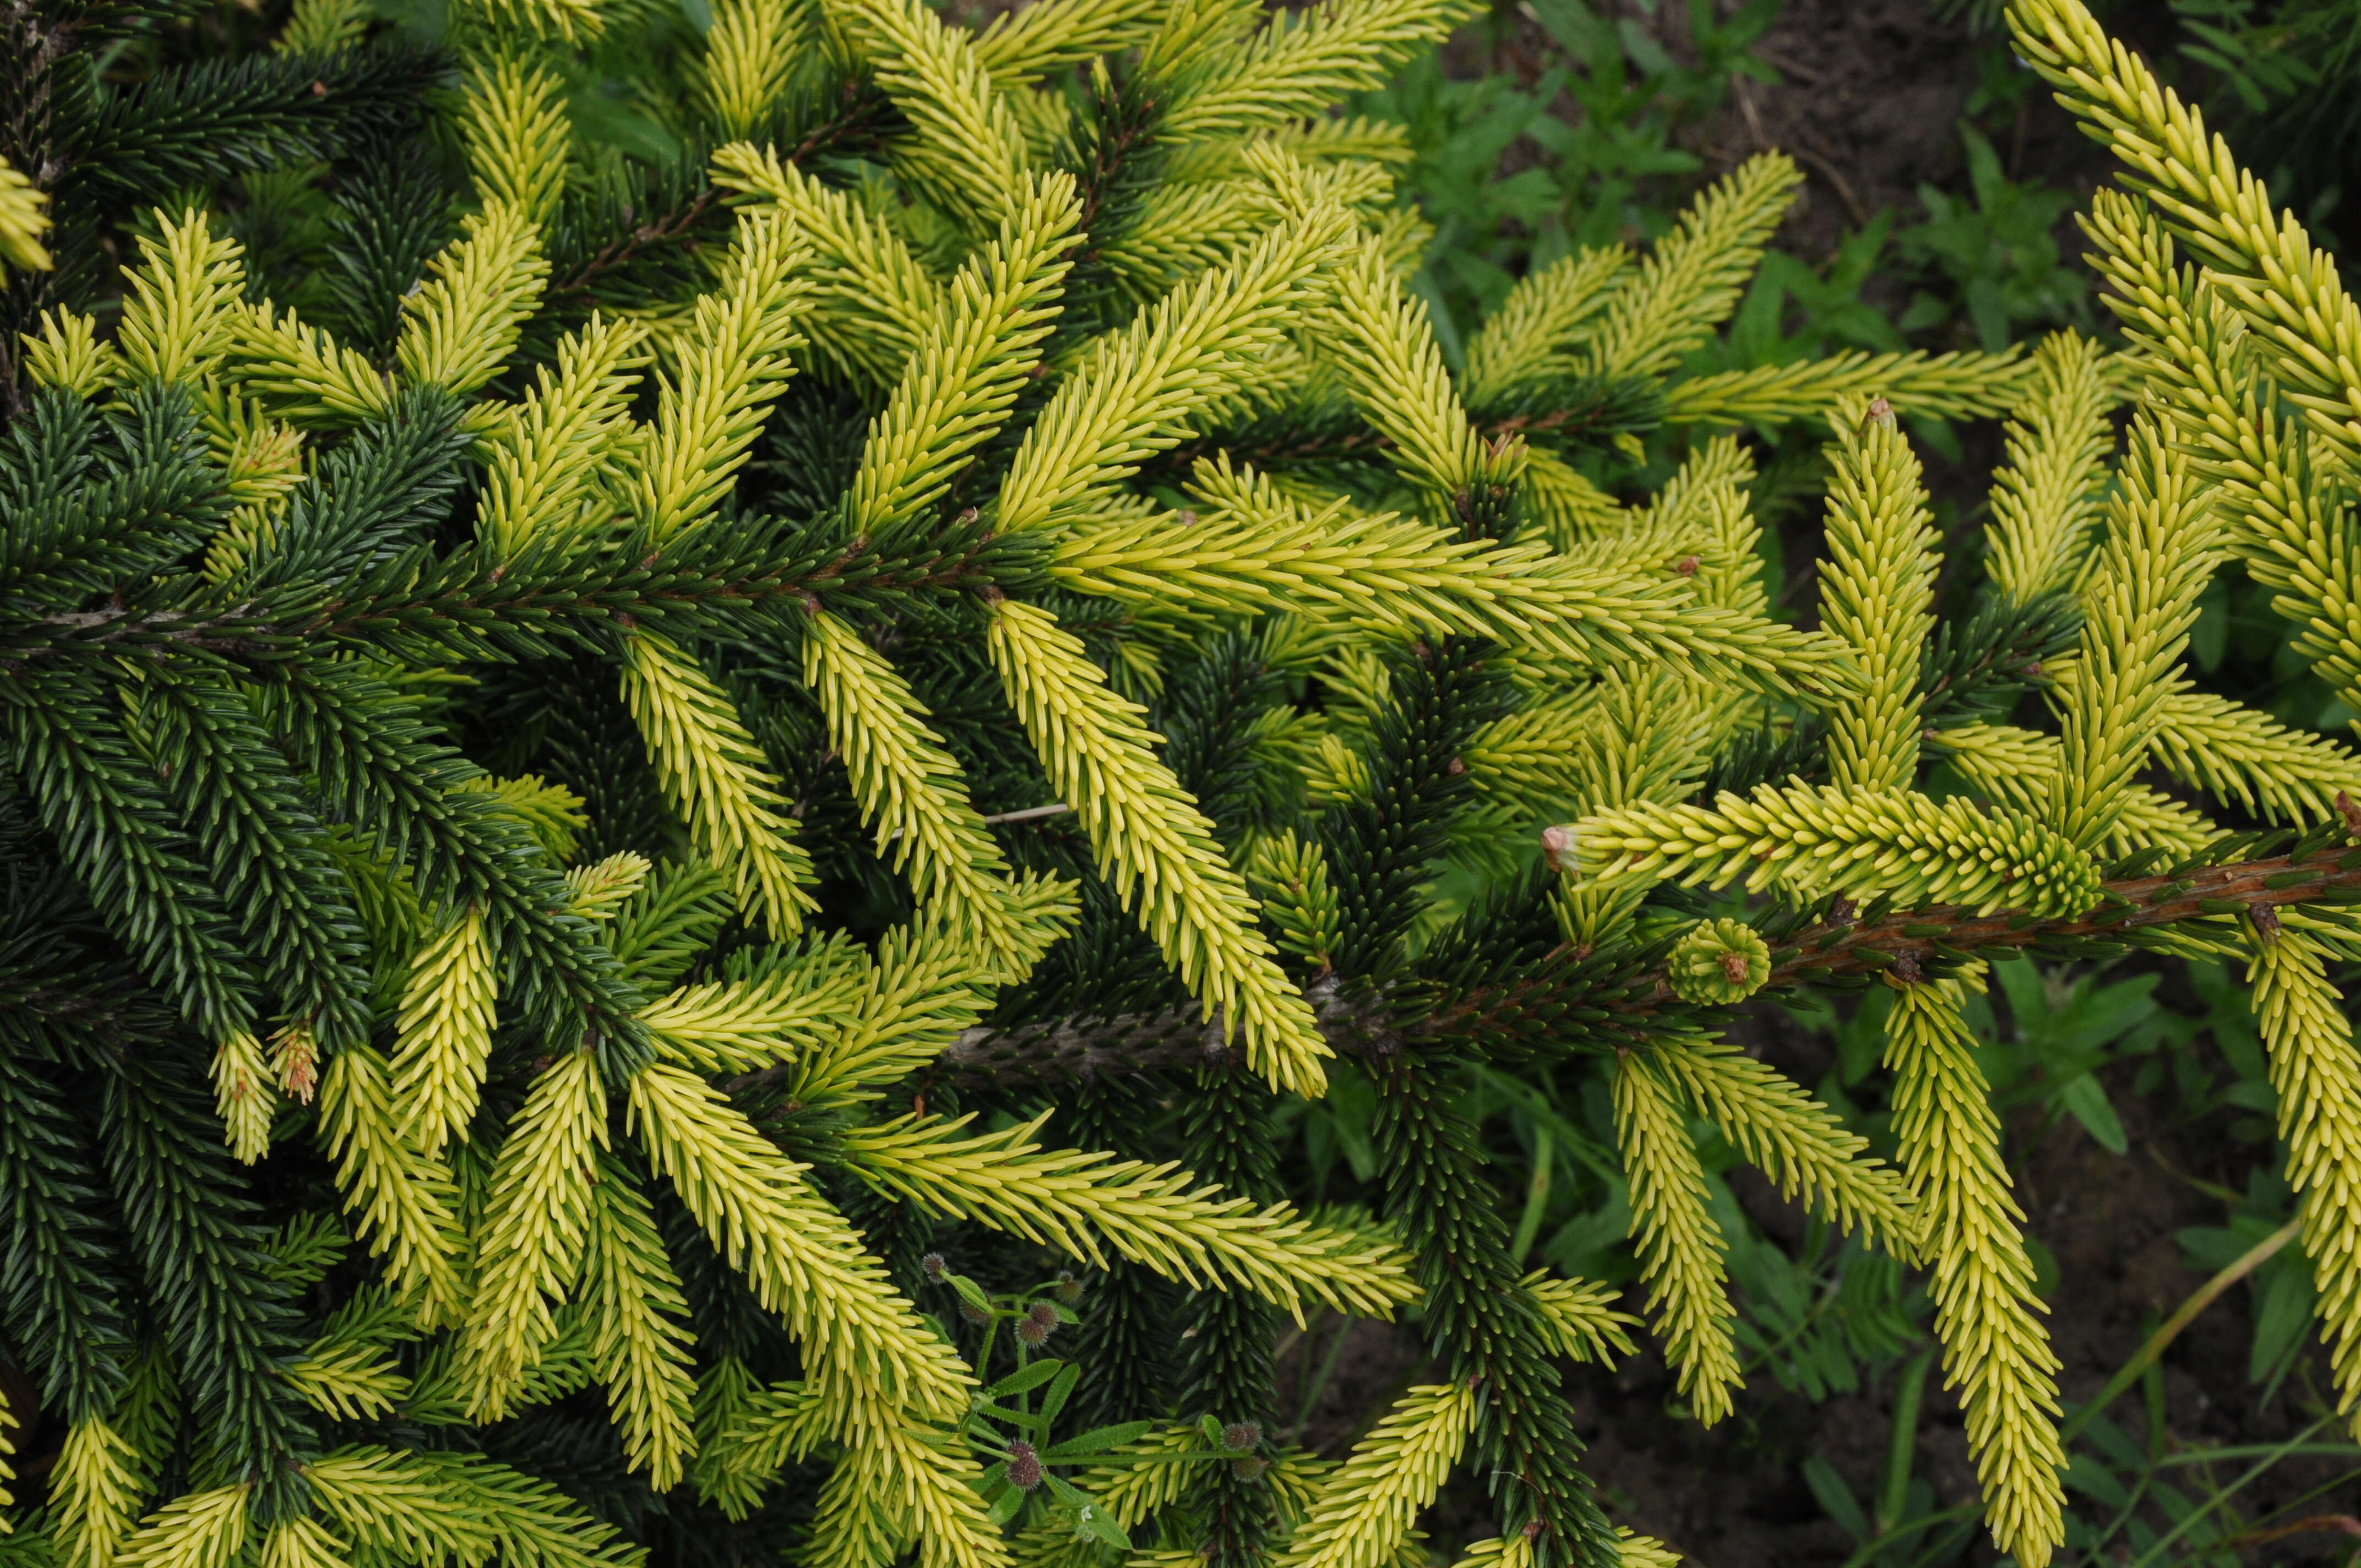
(1734, 1496)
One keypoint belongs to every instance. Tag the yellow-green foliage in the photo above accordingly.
(546, 461)
(515, 127)
(731, 361)
(1582, 1316)
(2045, 497)
(1682, 1251)
(1363, 1510)
(177, 323)
(1528, 337)
(871, 300)
(1254, 550)
(1814, 841)
(803, 1261)
(1996, 1351)
(1944, 386)
(1719, 960)
(443, 1036)
(95, 1493)
(640, 1346)
(2197, 351)
(1694, 276)
(1877, 590)
(1796, 1139)
(402, 1196)
(537, 1219)
(964, 372)
(1155, 1216)
(322, 27)
(911, 790)
(714, 773)
(22, 221)
(2316, 1073)
(1291, 877)
(244, 1097)
(1136, 387)
(2286, 291)
(2137, 610)
(1003, 468)
(462, 324)
(1152, 842)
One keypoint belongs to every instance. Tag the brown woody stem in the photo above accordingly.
(1075, 1049)
(2244, 887)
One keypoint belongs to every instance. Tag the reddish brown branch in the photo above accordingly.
(615, 252)
(1904, 944)
(2256, 889)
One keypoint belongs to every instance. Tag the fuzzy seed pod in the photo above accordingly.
(1250, 1467)
(1719, 961)
(1069, 1289)
(1024, 1466)
(933, 1267)
(1239, 1436)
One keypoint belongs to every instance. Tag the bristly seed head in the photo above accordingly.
(1024, 1466)
(1239, 1436)
(1034, 1329)
(1069, 1289)
(933, 1267)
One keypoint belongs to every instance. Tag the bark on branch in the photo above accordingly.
(1904, 944)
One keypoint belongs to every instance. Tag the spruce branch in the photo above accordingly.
(230, 116)
(295, 556)
(1597, 1007)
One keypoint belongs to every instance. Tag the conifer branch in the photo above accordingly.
(1986, 1312)
(537, 1223)
(1597, 1008)
(1682, 1257)
(1361, 1516)
(894, 555)
(2316, 1074)
(640, 1348)
(1072, 1199)
(1148, 831)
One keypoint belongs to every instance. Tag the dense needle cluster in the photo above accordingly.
(686, 768)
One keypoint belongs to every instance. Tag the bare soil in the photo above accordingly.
(1735, 1496)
